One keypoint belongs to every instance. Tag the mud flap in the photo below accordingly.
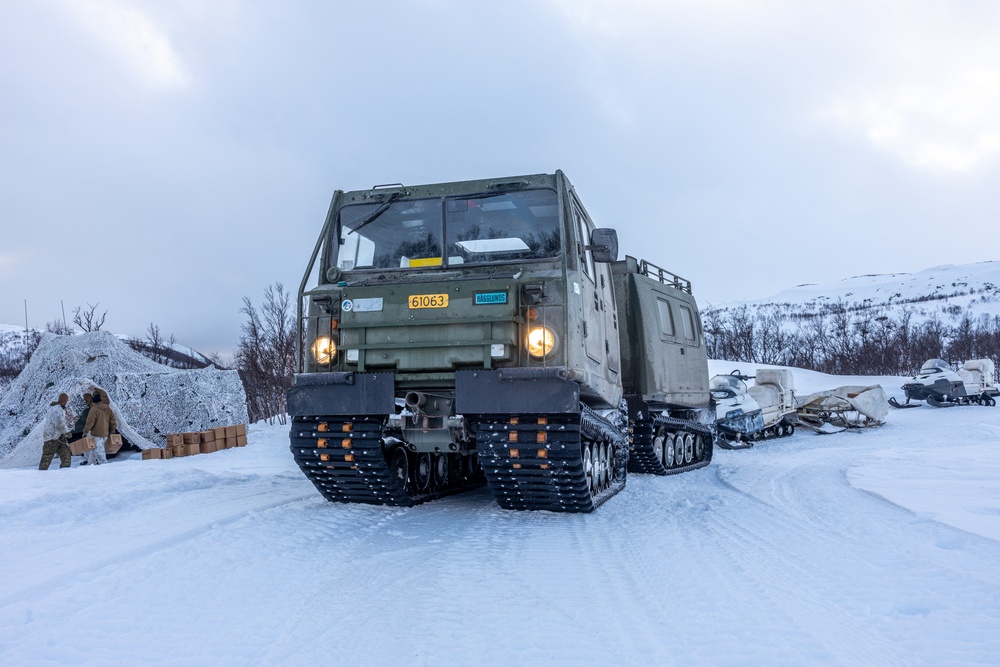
(341, 393)
(514, 391)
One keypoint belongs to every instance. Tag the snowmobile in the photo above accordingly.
(764, 410)
(940, 386)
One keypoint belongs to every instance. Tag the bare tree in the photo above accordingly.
(59, 327)
(848, 340)
(155, 341)
(215, 359)
(265, 356)
(88, 320)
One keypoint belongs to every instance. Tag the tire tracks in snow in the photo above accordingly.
(801, 521)
(413, 563)
(260, 500)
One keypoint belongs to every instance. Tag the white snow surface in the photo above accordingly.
(880, 547)
(148, 399)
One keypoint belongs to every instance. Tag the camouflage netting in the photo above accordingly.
(148, 399)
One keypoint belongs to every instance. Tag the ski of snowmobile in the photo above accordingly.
(902, 406)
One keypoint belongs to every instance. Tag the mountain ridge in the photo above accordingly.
(949, 292)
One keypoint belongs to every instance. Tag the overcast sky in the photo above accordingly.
(166, 159)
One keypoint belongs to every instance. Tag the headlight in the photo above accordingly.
(541, 341)
(323, 350)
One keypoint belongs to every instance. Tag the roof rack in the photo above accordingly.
(666, 277)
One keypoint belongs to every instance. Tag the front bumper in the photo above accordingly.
(505, 391)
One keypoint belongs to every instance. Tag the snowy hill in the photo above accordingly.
(872, 548)
(870, 324)
(947, 292)
(14, 340)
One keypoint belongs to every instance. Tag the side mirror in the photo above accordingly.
(604, 245)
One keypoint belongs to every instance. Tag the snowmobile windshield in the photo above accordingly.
(423, 233)
(935, 366)
(728, 383)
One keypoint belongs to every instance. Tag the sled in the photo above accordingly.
(849, 407)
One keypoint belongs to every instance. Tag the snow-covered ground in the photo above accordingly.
(946, 292)
(872, 548)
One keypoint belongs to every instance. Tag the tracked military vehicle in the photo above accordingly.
(484, 332)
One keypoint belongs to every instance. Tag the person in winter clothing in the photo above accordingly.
(81, 421)
(54, 432)
(100, 423)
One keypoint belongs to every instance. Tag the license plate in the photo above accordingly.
(428, 301)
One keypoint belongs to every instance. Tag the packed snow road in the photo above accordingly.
(877, 548)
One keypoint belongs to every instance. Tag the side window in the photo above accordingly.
(588, 259)
(687, 321)
(666, 317)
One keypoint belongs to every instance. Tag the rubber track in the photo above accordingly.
(769, 433)
(355, 469)
(965, 400)
(555, 481)
(642, 459)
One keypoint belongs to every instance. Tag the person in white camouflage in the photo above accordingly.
(54, 433)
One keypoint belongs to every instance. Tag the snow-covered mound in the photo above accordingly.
(147, 398)
(945, 291)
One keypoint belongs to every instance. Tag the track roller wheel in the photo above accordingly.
(669, 450)
(658, 446)
(609, 463)
(423, 473)
(440, 469)
(588, 466)
(688, 448)
(598, 469)
(399, 468)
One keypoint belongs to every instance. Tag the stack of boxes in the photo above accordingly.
(201, 442)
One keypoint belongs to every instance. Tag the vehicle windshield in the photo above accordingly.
(727, 382)
(935, 366)
(422, 233)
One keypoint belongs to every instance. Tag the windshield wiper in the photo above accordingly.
(377, 212)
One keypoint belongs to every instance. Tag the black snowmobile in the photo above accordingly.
(940, 386)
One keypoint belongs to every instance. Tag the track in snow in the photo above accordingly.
(767, 556)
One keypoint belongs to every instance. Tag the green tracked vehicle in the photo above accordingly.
(484, 332)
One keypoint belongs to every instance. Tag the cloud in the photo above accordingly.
(136, 37)
(917, 81)
(949, 124)
(931, 95)
(10, 264)
(628, 19)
